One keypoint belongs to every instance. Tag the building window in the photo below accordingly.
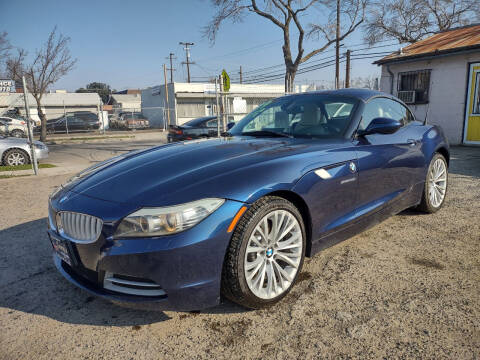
(414, 86)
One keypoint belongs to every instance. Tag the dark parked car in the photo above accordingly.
(74, 122)
(202, 127)
(235, 216)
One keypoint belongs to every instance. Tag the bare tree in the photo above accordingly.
(368, 82)
(283, 14)
(48, 65)
(411, 20)
(5, 48)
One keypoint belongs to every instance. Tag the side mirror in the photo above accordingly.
(230, 125)
(381, 126)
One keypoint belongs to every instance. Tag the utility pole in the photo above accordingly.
(171, 66)
(217, 97)
(166, 92)
(347, 70)
(241, 75)
(29, 128)
(337, 49)
(187, 55)
(222, 104)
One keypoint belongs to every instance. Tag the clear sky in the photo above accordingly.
(125, 43)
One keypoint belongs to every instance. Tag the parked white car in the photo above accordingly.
(14, 151)
(14, 127)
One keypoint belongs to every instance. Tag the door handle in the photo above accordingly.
(412, 142)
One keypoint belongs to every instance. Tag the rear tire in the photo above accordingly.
(14, 157)
(259, 270)
(436, 184)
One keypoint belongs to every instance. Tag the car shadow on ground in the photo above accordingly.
(30, 283)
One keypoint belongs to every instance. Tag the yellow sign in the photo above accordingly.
(226, 81)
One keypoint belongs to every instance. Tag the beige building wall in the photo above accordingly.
(448, 87)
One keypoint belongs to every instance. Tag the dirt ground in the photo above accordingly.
(407, 288)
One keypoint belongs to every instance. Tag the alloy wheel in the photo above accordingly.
(273, 254)
(16, 158)
(437, 184)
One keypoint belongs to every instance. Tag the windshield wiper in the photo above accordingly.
(266, 133)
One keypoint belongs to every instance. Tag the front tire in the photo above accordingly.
(15, 157)
(436, 184)
(265, 255)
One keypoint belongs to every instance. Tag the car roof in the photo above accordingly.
(362, 94)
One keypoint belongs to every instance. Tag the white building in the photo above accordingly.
(441, 75)
(187, 101)
(54, 105)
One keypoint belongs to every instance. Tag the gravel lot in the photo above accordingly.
(408, 288)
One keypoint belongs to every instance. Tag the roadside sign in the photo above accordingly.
(226, 81)
(7, 86)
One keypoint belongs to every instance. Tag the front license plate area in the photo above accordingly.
(61, 248)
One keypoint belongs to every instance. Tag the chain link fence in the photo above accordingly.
(154, 111)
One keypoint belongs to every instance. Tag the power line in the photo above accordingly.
(313, 68)
(273, 74)
(325, 52)
(237, 52)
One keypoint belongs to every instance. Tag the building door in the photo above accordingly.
(471, 133)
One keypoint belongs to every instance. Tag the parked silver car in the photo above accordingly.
(16, 151)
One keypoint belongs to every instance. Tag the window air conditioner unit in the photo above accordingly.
(408, 97)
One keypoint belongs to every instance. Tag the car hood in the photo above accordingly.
(181, 172)
(13, 141)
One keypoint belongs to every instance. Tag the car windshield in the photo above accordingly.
(313, 115)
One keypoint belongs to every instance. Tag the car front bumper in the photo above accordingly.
(41, 153)
(187, 266)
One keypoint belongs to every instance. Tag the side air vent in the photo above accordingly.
(131, 285)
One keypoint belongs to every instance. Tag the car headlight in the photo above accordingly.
(39, 146)
(166, 220)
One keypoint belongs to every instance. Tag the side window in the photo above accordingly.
(371, 111)
(406, 115)
(6, 120)
(212, 123)
(383, 107)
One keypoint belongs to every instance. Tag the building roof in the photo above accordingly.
(446, 42)
(51, 99)
(127, 98)
(129, 91)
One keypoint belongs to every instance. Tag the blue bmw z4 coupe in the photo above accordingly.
(178, 226)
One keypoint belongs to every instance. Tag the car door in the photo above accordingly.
(3, 127)
(6, 125)
(60, 125)
(389, 165)
(75, 124)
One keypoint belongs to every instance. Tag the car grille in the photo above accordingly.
(131, 285)
(80, 228)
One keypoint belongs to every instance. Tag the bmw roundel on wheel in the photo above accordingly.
(183, 225)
